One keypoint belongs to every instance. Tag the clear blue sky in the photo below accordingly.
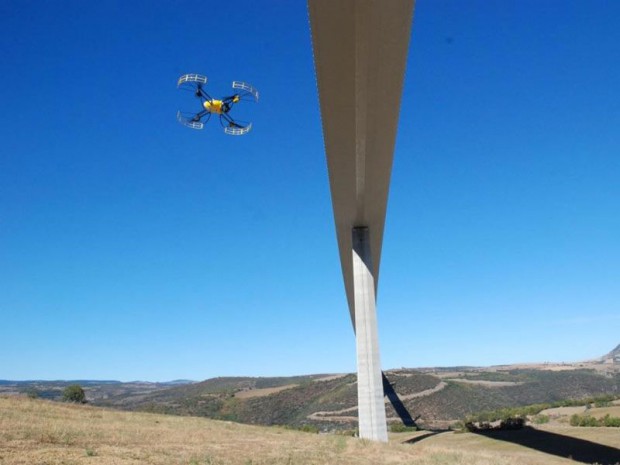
(134, 248)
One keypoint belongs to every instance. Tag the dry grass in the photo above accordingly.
(37, 432)
(563, 411)
(600, 412)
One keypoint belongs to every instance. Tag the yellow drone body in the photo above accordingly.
(213, 106)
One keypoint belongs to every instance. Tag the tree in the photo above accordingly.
(32, 393)
(74, 393)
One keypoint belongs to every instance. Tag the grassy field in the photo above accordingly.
(38, 432)
(600, 412)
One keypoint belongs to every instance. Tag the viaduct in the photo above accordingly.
(360, 53)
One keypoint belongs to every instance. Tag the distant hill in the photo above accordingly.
(430, 397)
(96, 390)
(612, 357)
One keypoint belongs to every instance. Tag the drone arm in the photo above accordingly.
(228, 120)
(232, 99)
(204, 94)
(231, 122)
(199, 116)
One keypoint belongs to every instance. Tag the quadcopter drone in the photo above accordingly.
(210, 106)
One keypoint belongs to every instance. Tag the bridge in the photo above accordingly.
(360, 53)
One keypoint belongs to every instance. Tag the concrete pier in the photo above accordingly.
(371, 407)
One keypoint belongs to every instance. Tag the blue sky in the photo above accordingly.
(134, 248)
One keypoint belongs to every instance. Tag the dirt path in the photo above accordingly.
(331, 377)
(263, 391)
(333, 415)
(486, 383)
(442, 385)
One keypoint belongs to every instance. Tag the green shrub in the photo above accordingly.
(512, 423)
(32, 393)
(401, 428)
(458, 426)
(541, 419)
(74, 393)
(611, 421)
(509, 423)
(305, 428)
(535, 409)
(587, 420)
(309, 429)
(602, 403)
(348, 432)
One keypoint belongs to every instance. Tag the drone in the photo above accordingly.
(209, 106)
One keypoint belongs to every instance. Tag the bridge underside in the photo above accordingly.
(360, 50)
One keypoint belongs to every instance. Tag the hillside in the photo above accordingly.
(612, 357)
(430, 397)
(432, 400)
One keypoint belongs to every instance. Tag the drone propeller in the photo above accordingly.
(194, 83)
(199, 78)
(234, 128)
(238, 131)
(190, 122)
(247, 89)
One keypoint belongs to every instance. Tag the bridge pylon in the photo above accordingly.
(360, 53)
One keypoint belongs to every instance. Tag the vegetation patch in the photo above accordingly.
(535, 409)
(73, 393)
(503, 425)
(588, 420)
(401, 428)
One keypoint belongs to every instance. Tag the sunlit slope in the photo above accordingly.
(330, 402)
(38, 431)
